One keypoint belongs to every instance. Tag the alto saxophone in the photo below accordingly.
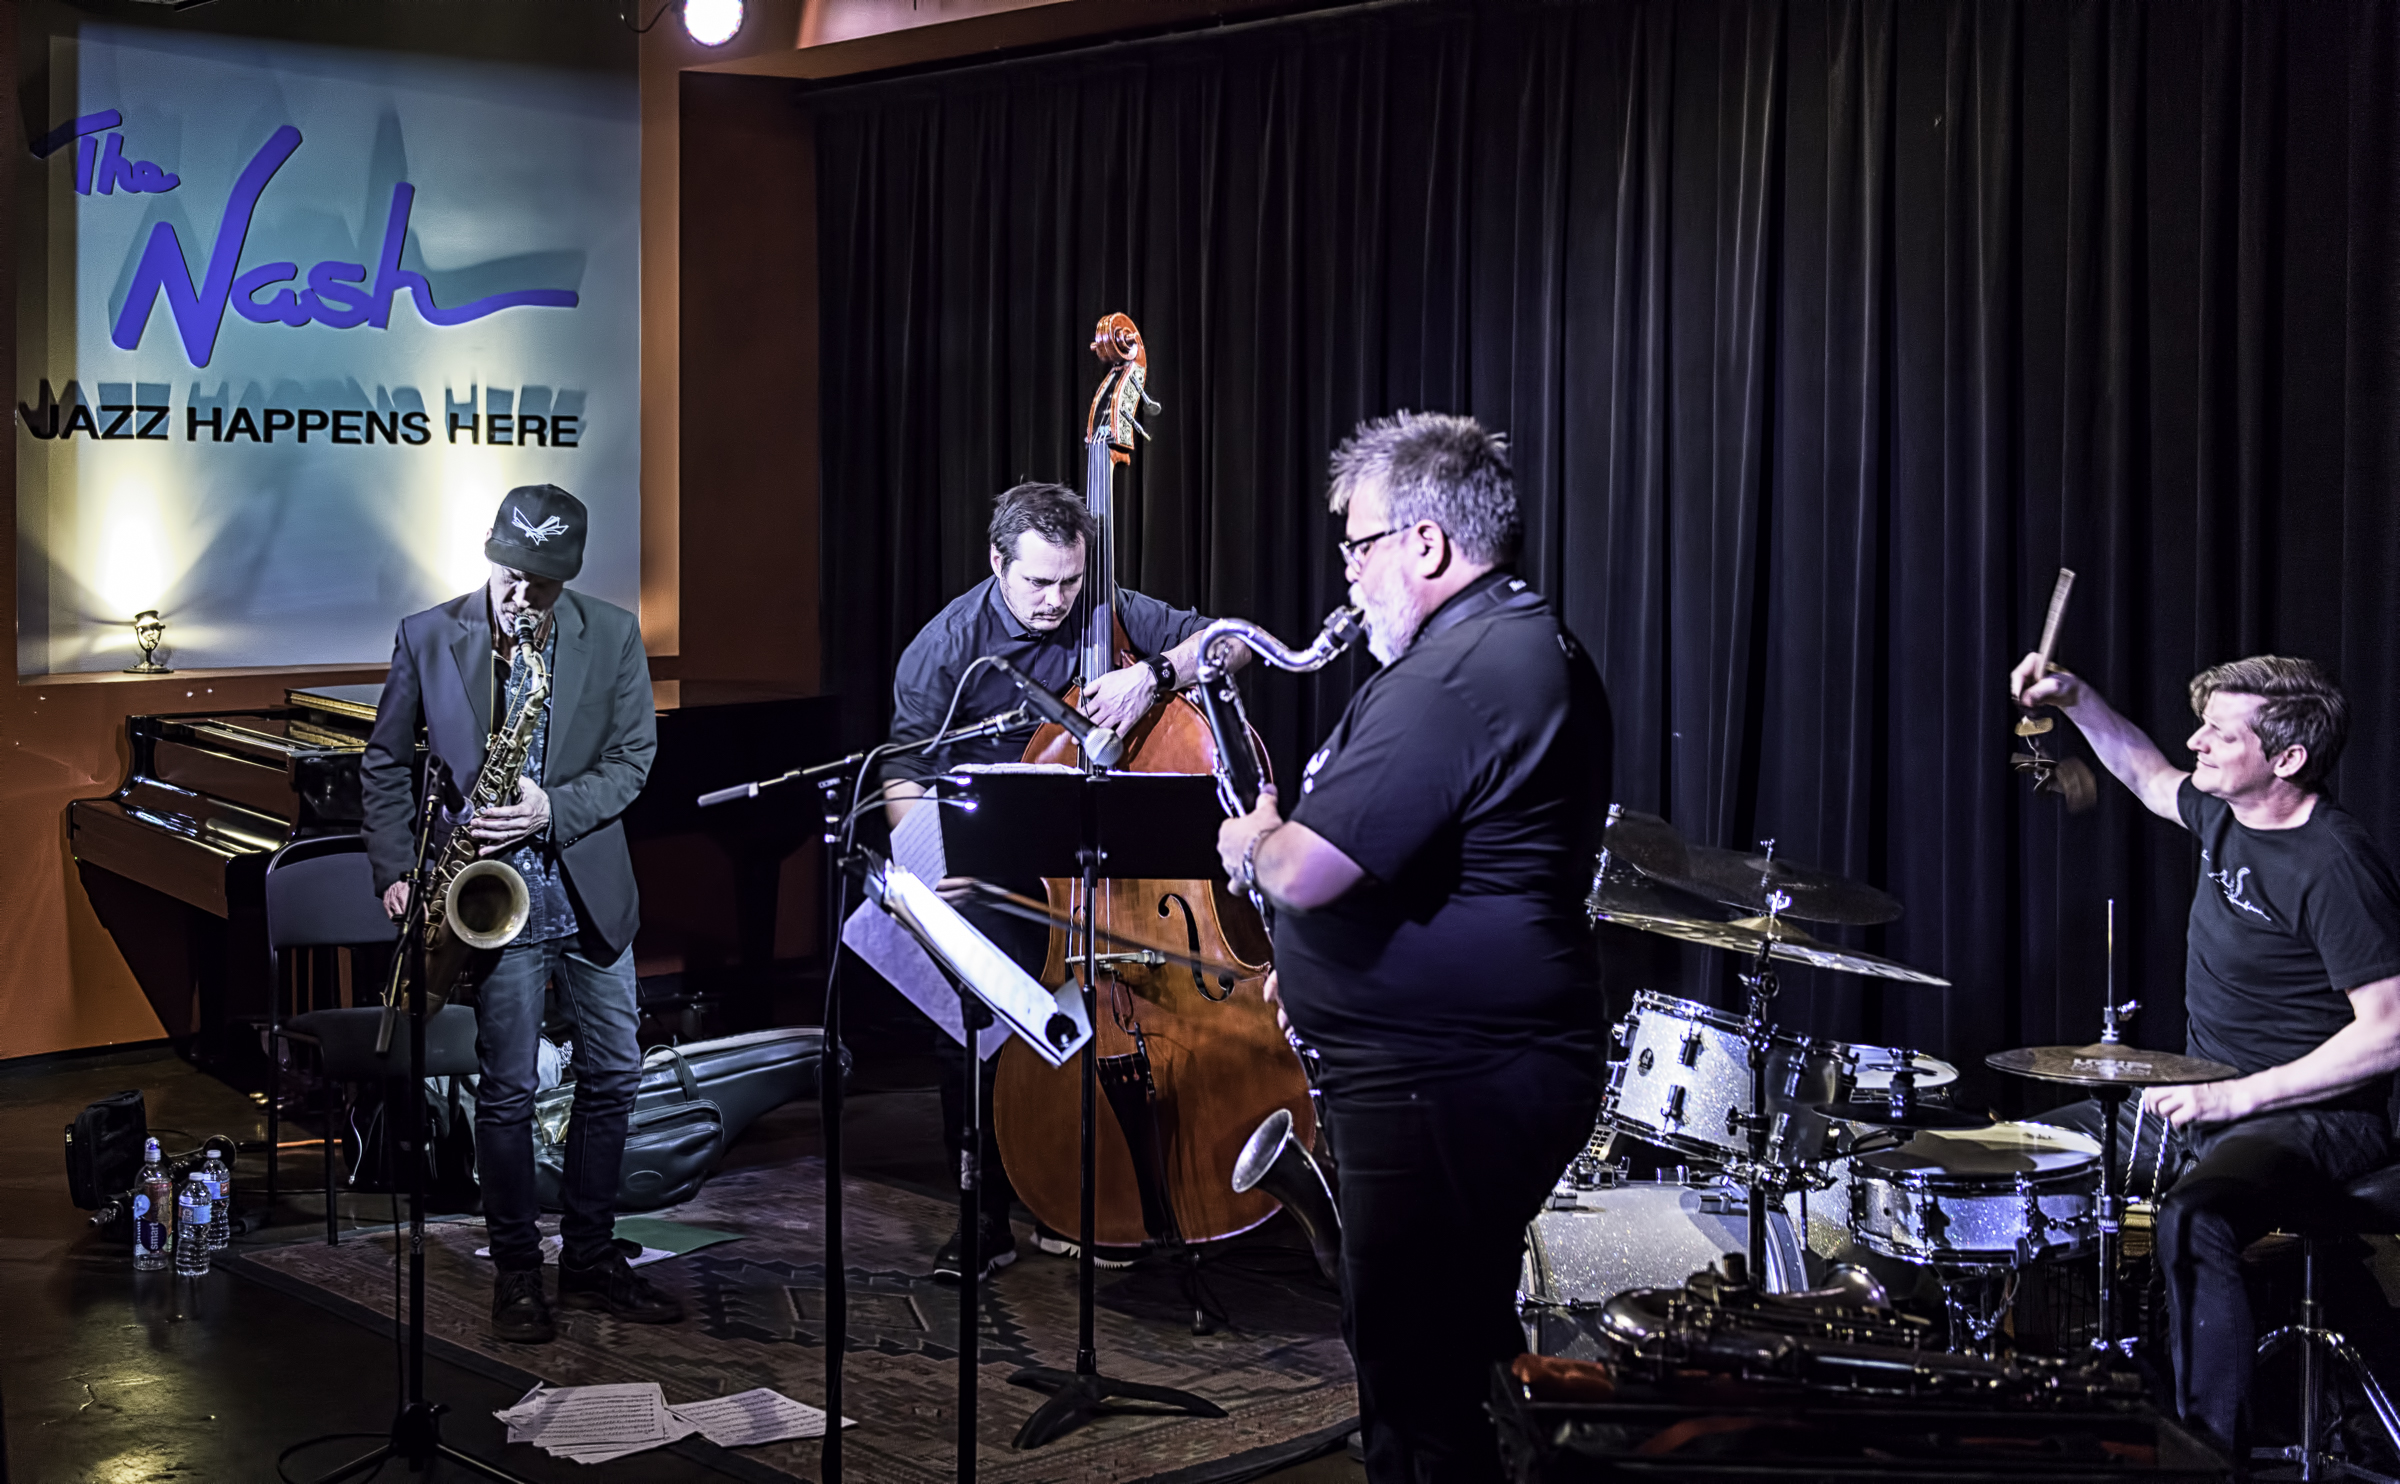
(482, 903)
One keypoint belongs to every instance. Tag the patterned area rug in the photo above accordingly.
(756, 1312)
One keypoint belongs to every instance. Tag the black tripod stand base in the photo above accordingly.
(417, 1437)
(1076, 1399)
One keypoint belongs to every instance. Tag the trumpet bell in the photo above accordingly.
(487, 905)
(1280, 1165)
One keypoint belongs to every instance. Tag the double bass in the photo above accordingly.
(1191, 1061)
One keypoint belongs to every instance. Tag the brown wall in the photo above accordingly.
(729, 451)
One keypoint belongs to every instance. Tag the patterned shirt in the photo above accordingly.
(553, 913)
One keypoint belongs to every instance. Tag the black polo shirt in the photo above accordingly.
(2284, 924)
(977, 623)
(1469, 778)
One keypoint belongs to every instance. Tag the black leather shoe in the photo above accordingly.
(998, 1249)
(613, 1287)
(520, 1315)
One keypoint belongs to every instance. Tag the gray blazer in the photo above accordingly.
(603, 735)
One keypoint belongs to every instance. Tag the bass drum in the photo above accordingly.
(1592, 1244)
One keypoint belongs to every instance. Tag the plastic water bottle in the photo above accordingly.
(153, 1208)
(220, 1200)
(193, 1212)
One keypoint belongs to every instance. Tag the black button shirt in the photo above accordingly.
(1469, 778)
(977, 623)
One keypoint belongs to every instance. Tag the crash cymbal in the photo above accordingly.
(1748, 881)
(1647, 843)
(2103, 1064)
(1881, 1114)
(1612, 903)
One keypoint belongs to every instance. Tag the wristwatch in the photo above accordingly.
(1162, 670)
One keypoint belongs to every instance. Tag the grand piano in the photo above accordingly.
(175, 860)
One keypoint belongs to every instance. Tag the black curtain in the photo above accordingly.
(1823, 332)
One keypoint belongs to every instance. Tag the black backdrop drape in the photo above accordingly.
(1823, 333)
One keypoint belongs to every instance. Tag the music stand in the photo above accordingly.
(1052, 821)
(989, 985)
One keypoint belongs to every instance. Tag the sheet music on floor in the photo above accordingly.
(760, 1416)
(593, 1424)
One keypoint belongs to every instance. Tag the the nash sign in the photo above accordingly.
(309, 313)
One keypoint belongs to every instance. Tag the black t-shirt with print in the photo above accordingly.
(2284, 923)
(1467, 778)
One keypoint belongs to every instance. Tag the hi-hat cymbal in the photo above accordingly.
(1749, 881)
(1647, 843)
(2105, 1064)
(1638, 910)
(1880, 1113)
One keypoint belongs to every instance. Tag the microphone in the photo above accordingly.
(1101, 744)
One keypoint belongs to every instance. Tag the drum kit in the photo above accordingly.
(1770, 1117)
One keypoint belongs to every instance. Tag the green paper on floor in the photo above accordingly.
(670, 1236)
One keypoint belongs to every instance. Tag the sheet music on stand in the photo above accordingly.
(921, 944)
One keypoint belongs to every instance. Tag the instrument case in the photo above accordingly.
(104, 1149)
(692, 1103)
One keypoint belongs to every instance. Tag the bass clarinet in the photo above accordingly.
(1274, 1159)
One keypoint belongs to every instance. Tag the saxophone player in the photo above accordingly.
(457, 675)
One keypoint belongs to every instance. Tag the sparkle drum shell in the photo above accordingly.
(1685, 1076)
(2002, 1196)
(1589, 1245)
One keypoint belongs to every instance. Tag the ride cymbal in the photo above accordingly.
(2105, 1064)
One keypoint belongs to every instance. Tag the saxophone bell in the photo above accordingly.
(1279, 1164)
(487, 904)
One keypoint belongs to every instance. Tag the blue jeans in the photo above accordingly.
(508, 1027)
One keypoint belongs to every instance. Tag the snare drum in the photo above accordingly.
(2002, 1196)
(1685, 1079)
(1871, 1070)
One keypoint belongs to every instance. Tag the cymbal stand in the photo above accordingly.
(2110, 1219)
(1759, 979)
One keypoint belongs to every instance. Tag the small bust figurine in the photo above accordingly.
(149, 630)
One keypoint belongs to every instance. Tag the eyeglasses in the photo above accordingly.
(1356, 546)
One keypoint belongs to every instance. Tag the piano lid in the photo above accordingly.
(356, 702)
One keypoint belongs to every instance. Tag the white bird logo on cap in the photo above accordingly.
(541, 533)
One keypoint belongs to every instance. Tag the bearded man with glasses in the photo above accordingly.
(1429, 936)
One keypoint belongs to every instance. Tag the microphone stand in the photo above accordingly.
(417, 1429)
(829, 778)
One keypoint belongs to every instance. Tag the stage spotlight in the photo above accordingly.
(712, 22)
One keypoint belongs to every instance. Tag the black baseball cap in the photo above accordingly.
(539, 529)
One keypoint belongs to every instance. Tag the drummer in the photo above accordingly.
(2291, 976)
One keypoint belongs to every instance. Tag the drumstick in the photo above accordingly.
(2030, 725)
(2058, 612)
